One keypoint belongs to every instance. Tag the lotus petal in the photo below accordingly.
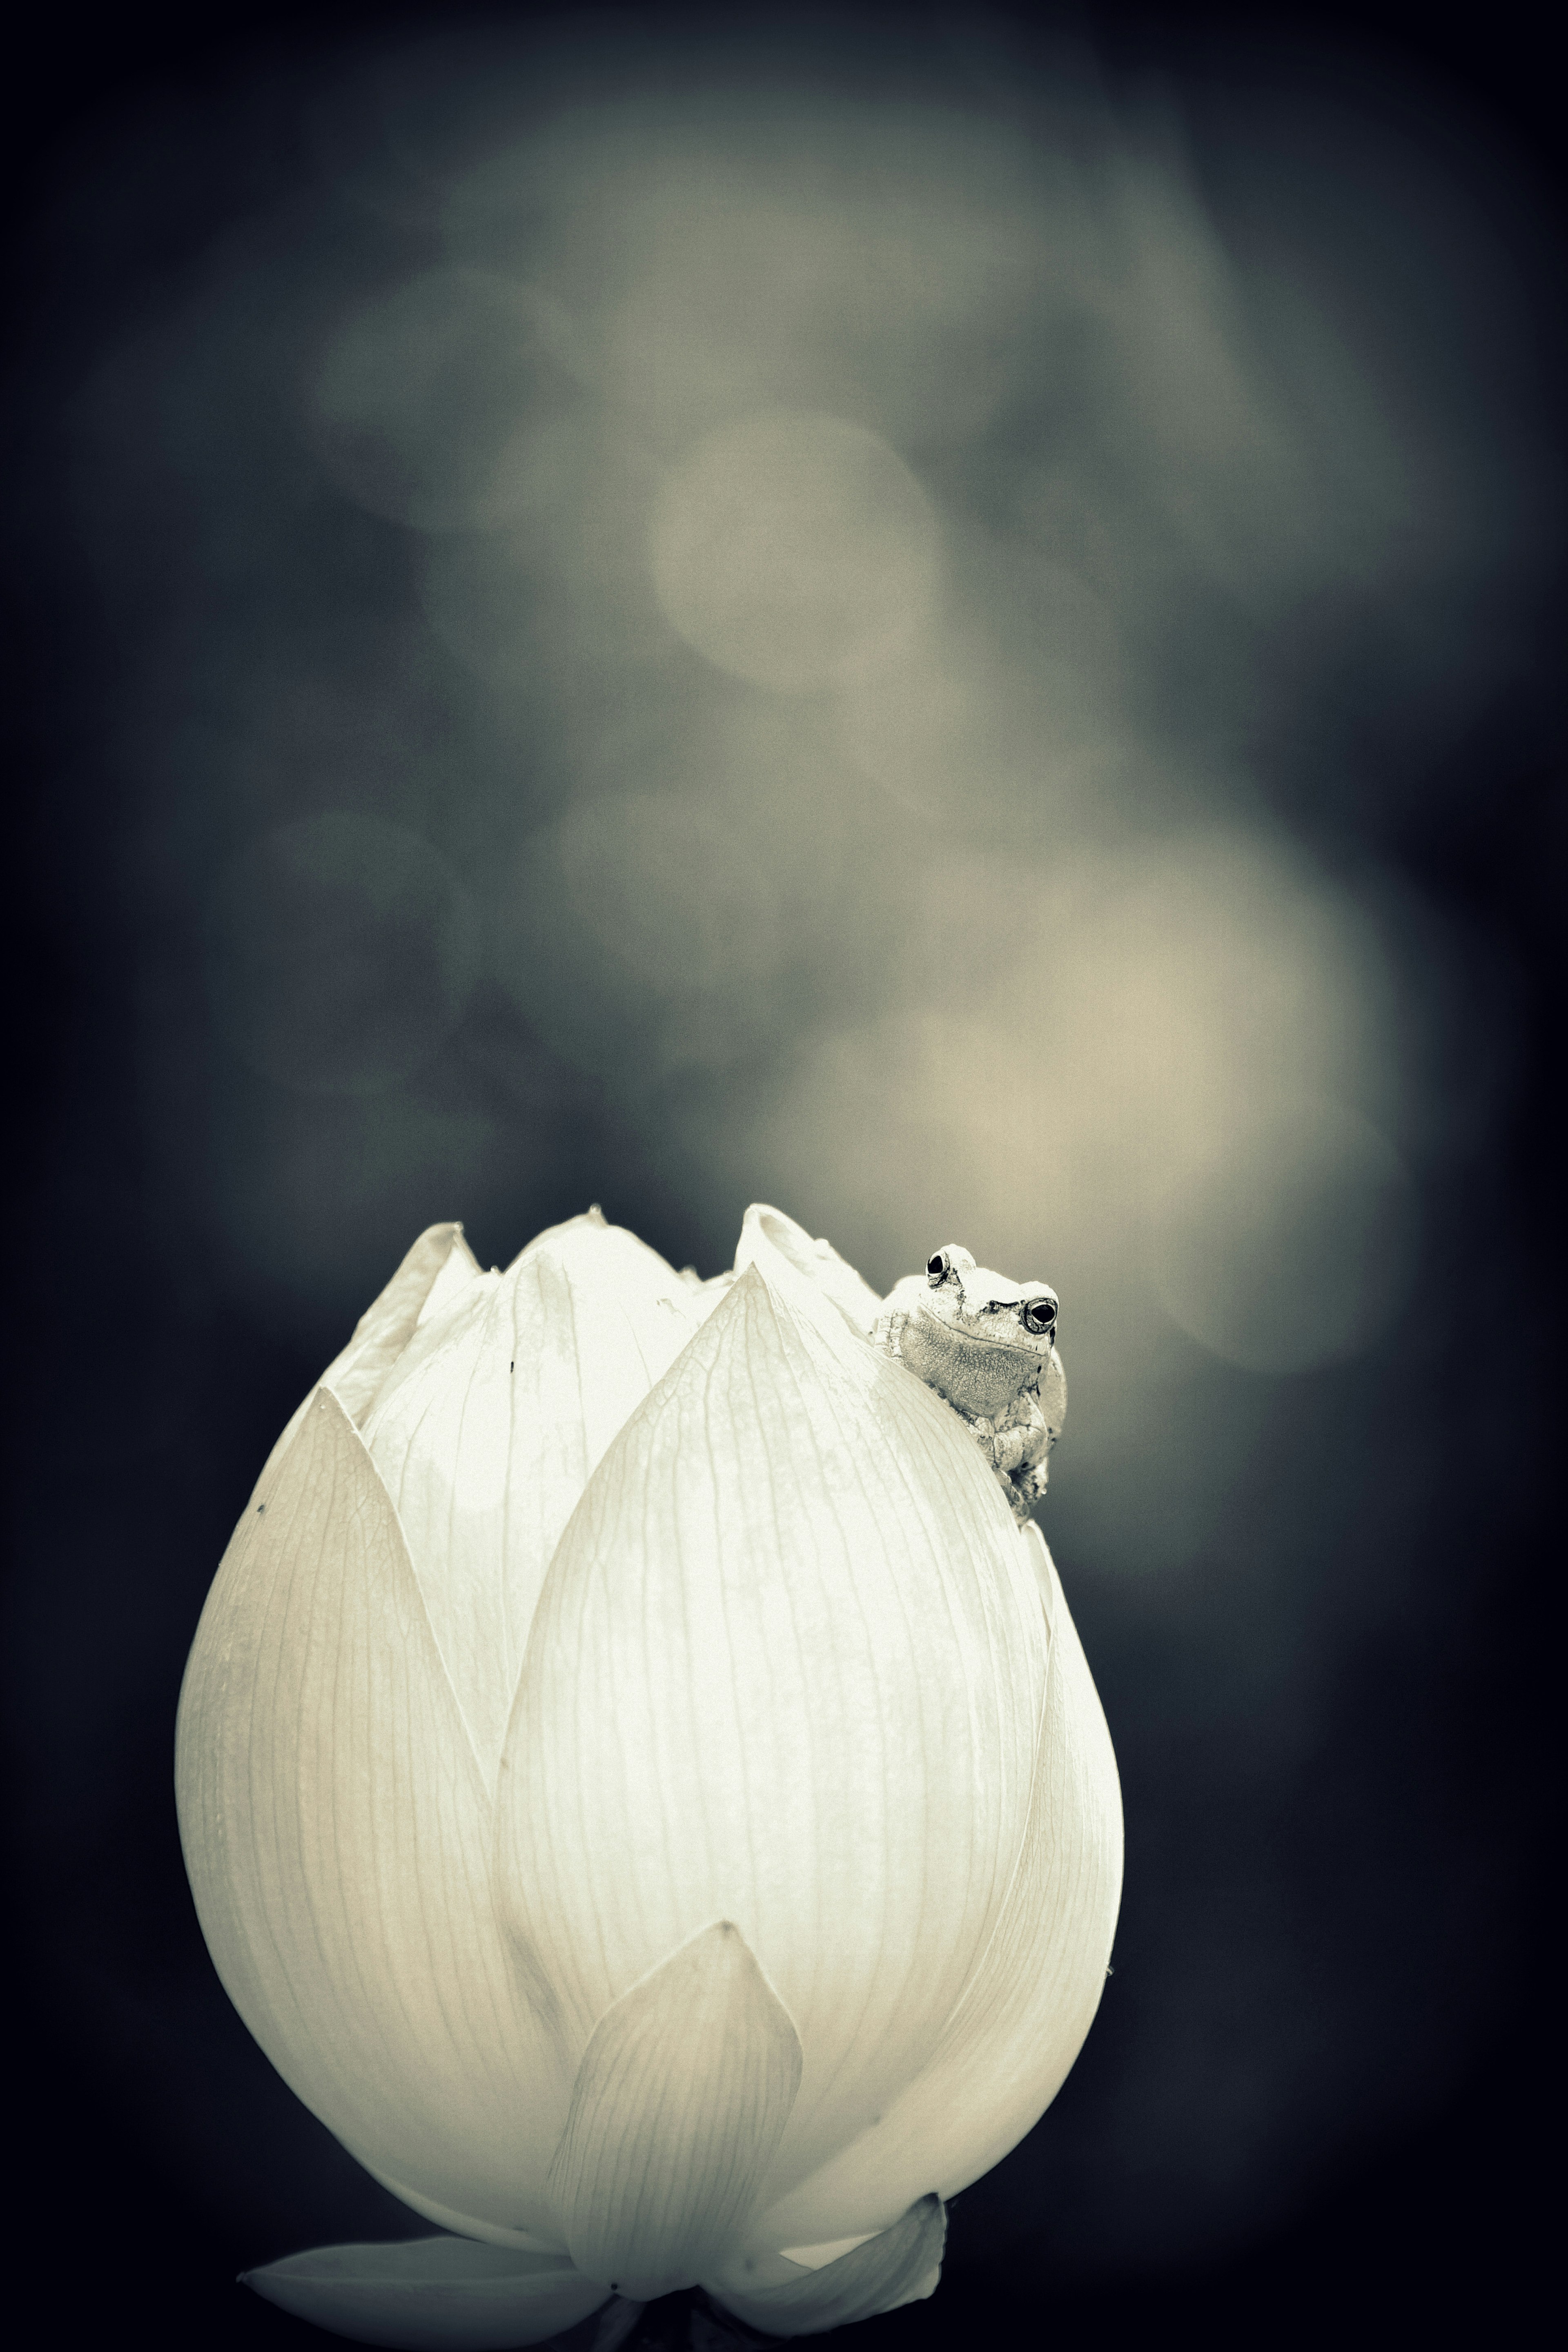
(787, 1669)
(436, 1269)
(485, 1435)
(336, 1828)
(1006, 2050)
(683, 2092)
(768, 1237)
(882, 2272)
(430, 2294)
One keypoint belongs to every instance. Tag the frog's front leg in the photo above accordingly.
(888, 1331)
(1023, 1437)
(1022, 1449)
(1006, 1442)
(1002, 1443)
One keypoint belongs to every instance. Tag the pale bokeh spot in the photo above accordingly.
(438, 404)
(663, 886)
(794, 550)
(1142, 1086)
(1293, 1246)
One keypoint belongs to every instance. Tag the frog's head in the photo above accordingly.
(977, 1337)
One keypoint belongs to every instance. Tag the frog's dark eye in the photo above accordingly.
(938, 1268)
(1039, 1314)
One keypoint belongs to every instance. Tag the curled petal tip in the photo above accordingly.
(882, 2272)
(778, 1246)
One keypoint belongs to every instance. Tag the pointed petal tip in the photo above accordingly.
(680, 2100)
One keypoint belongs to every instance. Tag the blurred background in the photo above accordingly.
(945, 621)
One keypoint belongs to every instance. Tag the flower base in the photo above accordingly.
(688, 2322)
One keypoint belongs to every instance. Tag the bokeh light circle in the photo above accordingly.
(792, 549)
(435, 404)
(1292, 1247)
(339, 952)
(663, 883)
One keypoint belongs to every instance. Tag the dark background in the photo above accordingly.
(1318, 2089)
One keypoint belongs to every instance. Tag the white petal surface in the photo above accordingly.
(707, 1295)
(769, 1239)
(787, 1670)
(430, 1277)
(336, 1830)
(899, 2265)
(486, 1432)
(1004, 2053)
(430, 2294)
(677, 2108)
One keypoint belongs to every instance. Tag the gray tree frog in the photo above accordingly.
(987, 1346)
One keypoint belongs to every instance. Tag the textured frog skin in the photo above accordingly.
(987, 1345)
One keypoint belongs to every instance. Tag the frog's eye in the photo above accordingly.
(1039, 1314)
(938, 1268)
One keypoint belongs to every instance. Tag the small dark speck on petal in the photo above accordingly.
(259, 1508)
(512, 1366)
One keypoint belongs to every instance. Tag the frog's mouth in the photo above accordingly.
(993, 1343)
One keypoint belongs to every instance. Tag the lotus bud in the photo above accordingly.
(645, 1794)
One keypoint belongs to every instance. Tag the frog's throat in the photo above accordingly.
(974, 1376)
(990, 1343)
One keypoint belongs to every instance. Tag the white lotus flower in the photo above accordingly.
(644, 1793)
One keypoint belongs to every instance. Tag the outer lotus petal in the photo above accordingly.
(768, 1237)
(683, 2092)
(336, 1830)
(1006, 2049)
(430, 2294)
(794, 1590)
(898, 2266)
(485, 1438)
(435, 1270)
